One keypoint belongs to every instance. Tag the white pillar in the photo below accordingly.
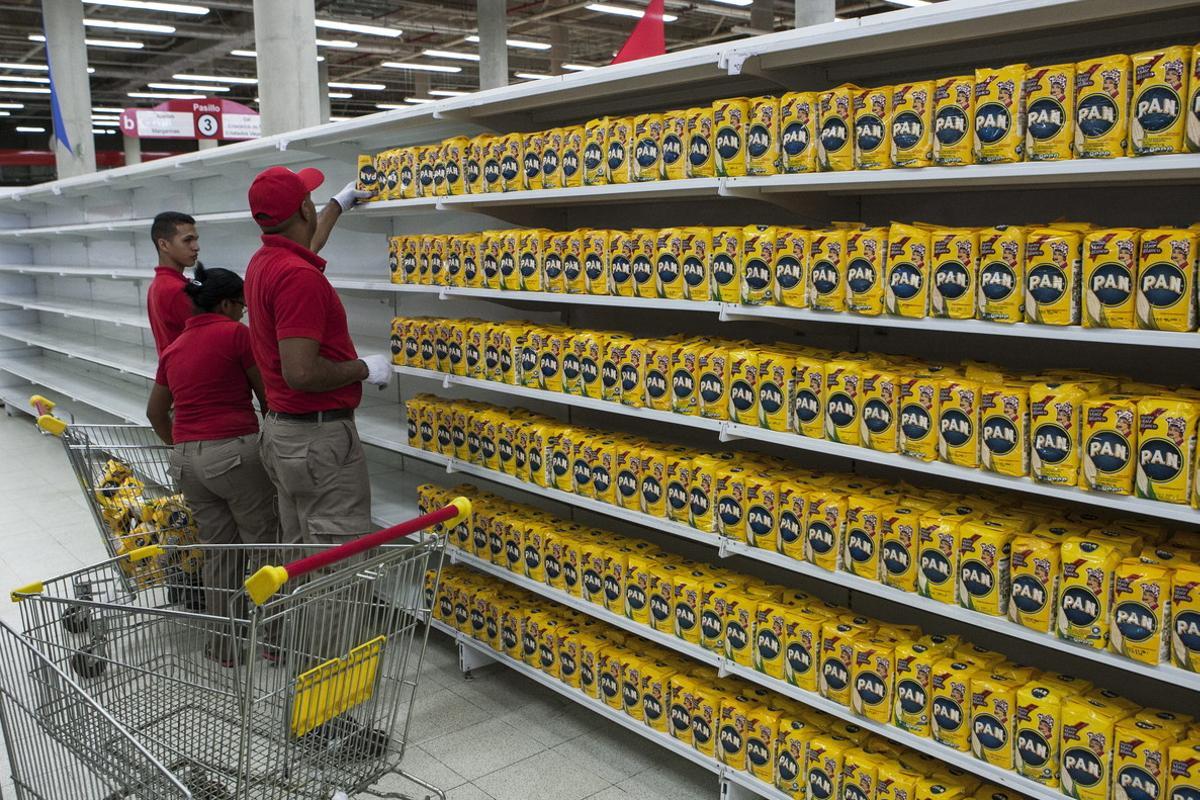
(323, 89)
(813, 12)
(67, 54)
(420, 84)
(492, 19)
(133, 150)
(559, 51)
(285, 38)
(207, 144)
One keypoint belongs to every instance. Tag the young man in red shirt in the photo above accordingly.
(178, 245)
(312, 373)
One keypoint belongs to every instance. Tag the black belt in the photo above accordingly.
(314, 416)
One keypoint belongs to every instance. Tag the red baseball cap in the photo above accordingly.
(277, 193)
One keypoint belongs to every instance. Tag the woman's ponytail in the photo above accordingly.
(212, 285)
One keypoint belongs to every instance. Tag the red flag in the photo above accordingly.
(648, 37)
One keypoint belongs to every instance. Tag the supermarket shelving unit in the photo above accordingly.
(75, 257)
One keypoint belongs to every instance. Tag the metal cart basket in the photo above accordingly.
(304, 689)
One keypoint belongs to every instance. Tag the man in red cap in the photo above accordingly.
(311, 371)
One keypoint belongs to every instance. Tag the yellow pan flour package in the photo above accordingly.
(1109, 442)
(958, 422)
(1085, 594)
(726, 264)
(700, 148)
(835, 122)
(647, 148)
(1185, 622)
(797, 141)
(729, 136)
(1052, 279)
(872, 128)
(919, 412)
(619, 143)
(758, 260)
(1102, 89)
(791, 266)
(674, 145)
(1034, 570)
(1166, 448)
(762, 136)
(1004, 428)
(1157, 113)
(1166, 280)
(1002, 274)
(595, 149)
(572, 155)
(696, 251)
(535, 147)
(827, 287)
(1109, 271)
(866, 253)
(1049, 113)
(1056, 424)
(1038, 727)
(842, 413)
(954, 262)
(953, 121)
(906, 288)
(1000, 114)
(1140, 627)
(912, 124)
(1088, 730)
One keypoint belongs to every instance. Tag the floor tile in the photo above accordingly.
(424, 766)
(483, 748)
(441, 712)
(545, 776)
(610, 751)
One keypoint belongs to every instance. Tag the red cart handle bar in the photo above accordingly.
(262, 585)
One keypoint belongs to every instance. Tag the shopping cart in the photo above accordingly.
(126, 481)
(110, 693)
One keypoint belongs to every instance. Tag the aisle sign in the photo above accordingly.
(192, 119)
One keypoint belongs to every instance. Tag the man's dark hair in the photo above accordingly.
(166, 223)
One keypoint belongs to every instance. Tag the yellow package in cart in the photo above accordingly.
(1088, 732)
(758, 259)
(730, 125)
(595, 152)
(618, 147)
(953, 268)
(1035, 569)
(912, 124)
(827, 285)
(873, 128)
(954, 121)
(906, 288)
(1102, 93)
(810, 395)
(1108, 461)
(1166, 448)
(726, 263)
(762, 136)
(866, 253)
(1109, 271)
(1166, 296)
(797, 140)
(1140, 626)
(843, 387)
(1000, 114)
(1052, 276)
(647, 162)
(791, 267)
(1002, 274)
(835, 128)
(701, 149)
(1085, 593)
(1049, 113)
(1157, 111)
(694, 259)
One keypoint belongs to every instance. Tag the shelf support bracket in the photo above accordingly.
(470, 659)
(725, 435)
(733, 791)
(740, 62)
(785, 201)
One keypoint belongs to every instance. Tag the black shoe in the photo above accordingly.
(346, 738)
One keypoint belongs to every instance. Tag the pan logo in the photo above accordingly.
(788, 272)
(760, 521)
(951, 279)
(796, 139)
(736, 635)
(1029, 594)
(757, 752)
(701, 730)
(1080, 606)
(860, 545)
(1136, 622)
(741, 394)
(992, 122)
(570, 164)
(950, 125)
(554, 265)
(1047, 283)
(642, 269)
(723, 269)
(672, 148)
(550, 162)
(600, 479)
(710, 625)
(699, 150)
(652, 708)
(977, 578)
(660, 609)
(877, 415)
(834, 134)
(1163, 284)
(860, 275)
(553, 567)
(1187, 630)
(820, 787)
(1160, 459)
(799, 658)
(820, 537)
(870, 687)
(1157, 108)
(770, 397)
(647, 153)
(616, 155)
(1083, 766)
(1095, 115)
(758, 140)
(997, 281)
(1137, 783)
(999, 435)
(935, 566)
(757, 274)
(685, 616)
(509, 168)
(473, 170)
(895, 558)
(1032, 748)
(593, 156)
(835, 674)
(768, 644)
(912, 696)
(825, 277)
(842, 409)
(1112, 283)
(907, 130)
(905, 280)
(729, 142)
(789, 527)
(694, 272)
(651, 490)
(1108, 450)
(947, 714)
(1045, 118)
(570, 575)
(627, 483)
(868, 132)
(668, 268)
(681, 718)
(677, 496)
(1051, 442)
(990, 732)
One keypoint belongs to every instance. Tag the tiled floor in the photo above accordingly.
(497, 736)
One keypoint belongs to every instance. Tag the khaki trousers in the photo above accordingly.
(233, 501)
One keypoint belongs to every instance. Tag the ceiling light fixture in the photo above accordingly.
(13, 106)
(340, 44)
(121, 25)
(30, 129)
(116, 44)
(451, 54)
(180, 76)
(531, 76)
(26, 67)
(625, 11)
(389, 106)
(340, 95)
(447, 92)
(103, 131)
(24, 89)
(420, 67)
(5, 114)
(366, 87)
(525, 43)
(908, 3)
(189, 87)
(254, 54)
(165, 96)
(106, 110)
(145, 5)
(577, 67)
(741, 3)
(419, 100)
(358, 27)
(23, 79)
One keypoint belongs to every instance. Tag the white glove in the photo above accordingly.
(379, 369)
(350, 196)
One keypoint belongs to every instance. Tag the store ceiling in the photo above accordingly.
(568, 32)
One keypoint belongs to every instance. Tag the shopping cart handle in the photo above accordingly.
(262, 585)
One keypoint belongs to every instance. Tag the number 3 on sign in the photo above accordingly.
(207, 125)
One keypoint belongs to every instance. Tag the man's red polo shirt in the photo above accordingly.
(289, 297)
(205, 369)
(167, 306)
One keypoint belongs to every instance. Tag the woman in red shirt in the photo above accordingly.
(201, 404)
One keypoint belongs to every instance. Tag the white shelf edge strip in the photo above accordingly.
(730, 431)
(116, 226)
(737, 312)
(727, 547)
(108, 273)
(724, 666)
(666, 741)
(89, 354)
(81, 311)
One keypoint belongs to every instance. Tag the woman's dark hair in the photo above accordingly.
(211, 285)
